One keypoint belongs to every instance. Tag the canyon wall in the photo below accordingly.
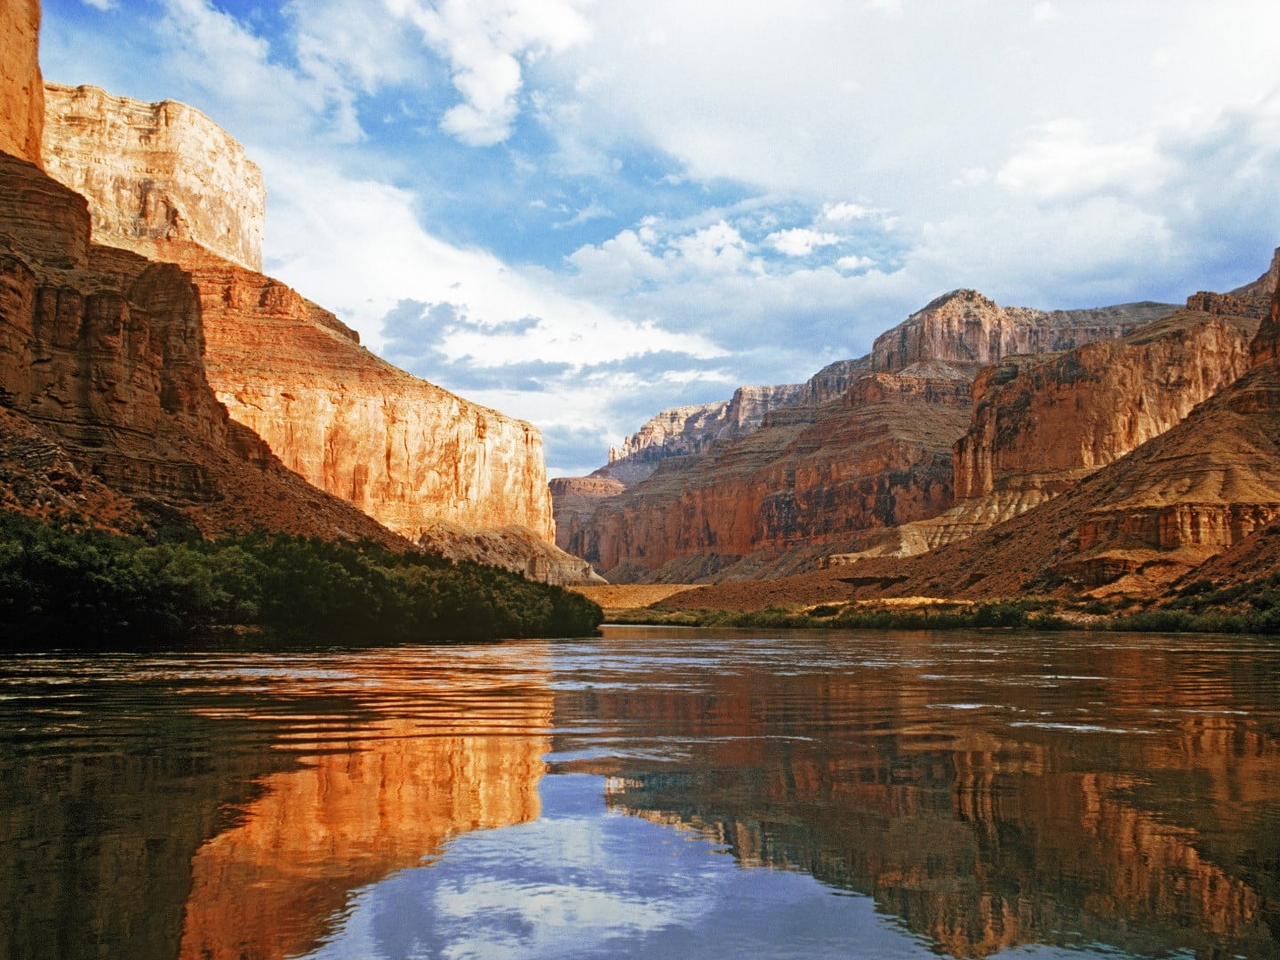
(1080, 410)
(108, 416)
(968, 330)
(685, 431)
(800, 504)
(21, 89)
(1043, 423)
(155, 171)
(425, 463)
(1208, 486)
(402, 450)
(809, 475)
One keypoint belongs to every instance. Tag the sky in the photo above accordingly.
(580, 212)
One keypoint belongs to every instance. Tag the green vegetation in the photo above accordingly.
(89, 588)
(1201, 607)
(1029, 614)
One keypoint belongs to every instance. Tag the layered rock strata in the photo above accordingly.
(1209, 486)
(947, 342)
(21, 88)
(423, 462)
(449, 474)
(688, 431)
(110, 418)
(574, 501)
(1041, 424)
(968, 330)
(810, 475)
(155, 171)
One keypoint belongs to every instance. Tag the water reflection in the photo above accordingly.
(972, 794)
(1123, 793)
(305, 778)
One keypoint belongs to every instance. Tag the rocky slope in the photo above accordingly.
(1207, 488)
(21, 89)
(810, 475)
(777, 499)
(155, 171)
(107, 413)
(425, 463)
(1041, 423)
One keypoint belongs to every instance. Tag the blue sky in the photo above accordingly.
(583, 211)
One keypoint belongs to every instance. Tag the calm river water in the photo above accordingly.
(654, 793)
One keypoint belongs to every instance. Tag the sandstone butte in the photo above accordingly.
(1199, 501)
(864, 445)
(165, 181)
(932, 863)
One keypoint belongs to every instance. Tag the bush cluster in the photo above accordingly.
(1029, 614)
(1251, 606)
(89, 588)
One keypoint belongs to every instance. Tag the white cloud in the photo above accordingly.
(356, 247)
(486, 43)
(100, 4)
(1062, 160)
(799, 241)
(993, 161)
(852, 263)
(845, 211)
(719, 248)
(1044, 11)
(228, 65)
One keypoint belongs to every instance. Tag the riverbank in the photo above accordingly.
(1250, 608)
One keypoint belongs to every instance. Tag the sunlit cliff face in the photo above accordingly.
(374, 798)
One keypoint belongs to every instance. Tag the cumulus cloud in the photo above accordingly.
(1062, 160)
(852, 263)
(800, 241)
(225, 63)
(487, 43)
(845, 211)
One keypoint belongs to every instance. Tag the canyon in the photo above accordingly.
(841, 463)
(107, 416)
(1197, 502)
(165, 182)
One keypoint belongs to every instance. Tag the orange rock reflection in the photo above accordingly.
(376, 801)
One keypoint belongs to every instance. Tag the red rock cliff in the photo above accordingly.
(808, 475)
(422, 461)
(102, 382)
(403, 450)
(864, 445)
(965, 329)
(1077, 411)
(21, 89)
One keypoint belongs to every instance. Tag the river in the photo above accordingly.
(654, 792)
